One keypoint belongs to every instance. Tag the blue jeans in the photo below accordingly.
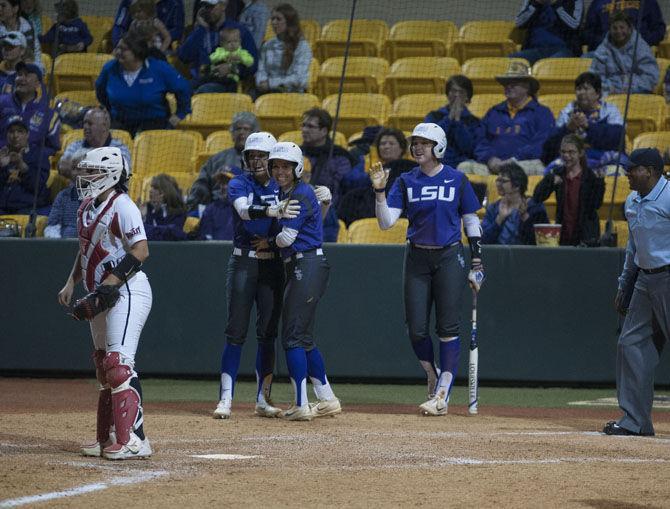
(535, 54)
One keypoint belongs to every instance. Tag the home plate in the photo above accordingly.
(224, 456)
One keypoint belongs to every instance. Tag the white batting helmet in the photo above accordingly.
(288, 151)
(104, 168)
(260, 142)
(432, 132)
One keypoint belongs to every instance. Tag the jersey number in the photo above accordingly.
(429, 193)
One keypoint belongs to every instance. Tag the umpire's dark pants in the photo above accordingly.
(306, 281)
(433, 276)
(251, 280)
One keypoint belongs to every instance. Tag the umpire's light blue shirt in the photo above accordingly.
(649, 224)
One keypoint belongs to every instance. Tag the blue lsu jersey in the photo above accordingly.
(434, 205)
(245, 185)
(309, 222)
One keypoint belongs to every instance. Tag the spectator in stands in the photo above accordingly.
(216, 222)
(169, 12)
(13, 46)
(204, 38)
(145, 17)
(392, 148)
(31, 10)
(69, 31)
(233, 9)
(552, 28)
(223, 72)
(30, 101)
(20, 166)
(579, 194)
(164, 214)
(510, 220)
(599, 15)
(460, 125)
(11, 21)
(254, 17)
(133, 88)
(613, 60)
(516, 129)
(204, 189)
(666, 86)
(594, 120)
(96, 134)
(284, 61)
(62, 221)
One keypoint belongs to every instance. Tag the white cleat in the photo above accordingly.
(134, 449)
(436, 405)
(298, 413)
(326, 407)
(266, 409)
(223, 409)
(95, 449)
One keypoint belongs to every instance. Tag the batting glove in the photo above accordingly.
(476, 275)
(323, 194)
(286, 209)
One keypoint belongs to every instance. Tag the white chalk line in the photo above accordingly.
(224, 456)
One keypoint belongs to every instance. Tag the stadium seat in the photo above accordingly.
(557, 75)
(664, 48)
(483, 70)
(645, 112)
(46, 64)
(83, 97)
(279, 113)
(214, 112)
(184, 181)
(556, 102)
(22, 221)
(342, 233)
(485, 39)
(411, 109)
(654, 139)
(420, 38)
(56, 183)
(314, 67)
(481, 103)
(367, 38)
(191, 224)
(78, 71)
(420, 75)
(357, 111)
(621, 193)
(663, 66)
(218, 141)
(364, 75)
(367, 231)
(78, 134)
(100, 28)
(296, 137)
(620, 227)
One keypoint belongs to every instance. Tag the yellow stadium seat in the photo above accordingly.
(557, 75)
(78, 71)
(420, 38)
(314, 67)
(364, 75)
(420, 75)
(664, 49)
(100, 27)
(663, 66)
(367, 231)
(22, 221)
(483, 70)
(56, 183)
(620, 227)
(367, 38)
(279, 113)
(357, 111)
(556, 102)
(184, 181)
(621, 193)
(78, 134)
(83, 97)
(481, 103)
(191, 224)
(654, 139)
(645, 112)
(411, 109)
(310, 30)
(485, 39)
(46, 22)
(214, 112)
(342, 233)
(218, 141)
(296, 137)
(46, 64)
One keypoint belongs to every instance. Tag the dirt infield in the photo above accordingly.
(366, 457)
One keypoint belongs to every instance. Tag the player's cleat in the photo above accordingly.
(326, 407)
(266, 409)
(298, 413)
(95, 449)
(136, 448)
(223, 409)
(436, 405)
(612, 428)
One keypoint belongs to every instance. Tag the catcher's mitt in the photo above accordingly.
(104, 297)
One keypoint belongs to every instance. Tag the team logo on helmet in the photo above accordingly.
(291, 152)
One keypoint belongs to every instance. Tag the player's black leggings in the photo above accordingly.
(433, 276)
(250, 280)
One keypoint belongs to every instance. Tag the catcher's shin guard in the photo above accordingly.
(104, 417)
(126, 399)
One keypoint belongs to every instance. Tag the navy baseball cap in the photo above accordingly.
(649, 157)
(16, 120)
(30, 68)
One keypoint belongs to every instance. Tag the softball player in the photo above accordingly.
(253, 275)
(436, 198)
(112, 247)
(307, 269)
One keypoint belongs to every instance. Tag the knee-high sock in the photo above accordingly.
(450, 349)
(296, 360)
(265, 363)
(138, 427)
(424, 352)
(317, 374)
(230, 364)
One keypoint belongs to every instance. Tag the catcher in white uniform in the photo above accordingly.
(112, 247)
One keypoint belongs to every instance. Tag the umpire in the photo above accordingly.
(646, 275)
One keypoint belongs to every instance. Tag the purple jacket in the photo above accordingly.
(43, 122)
(326, 172)
(16, 197)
